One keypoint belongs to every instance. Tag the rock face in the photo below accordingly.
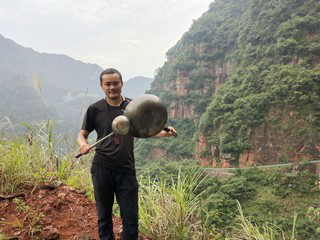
(178, 110)
(285, 137)
(181, 83)
(201, 146)
(281, 139)
(217, 159)
(215, 75)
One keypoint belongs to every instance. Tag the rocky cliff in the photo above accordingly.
(247, 76)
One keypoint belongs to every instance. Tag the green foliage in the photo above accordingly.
(21, 206)
(280, 195)
(169, 210)
(268, 51)
(313, 215)
(255, 189)
(167, 170)
(269, 231)
(179, 200)
(34, 156)
(172, 147)
(294, 183)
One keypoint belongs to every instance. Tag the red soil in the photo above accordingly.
(61, 213)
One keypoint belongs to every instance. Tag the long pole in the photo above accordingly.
(96, 143)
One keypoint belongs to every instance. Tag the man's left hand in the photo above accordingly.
(170, 131)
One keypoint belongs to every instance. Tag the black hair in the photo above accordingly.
(110, 71)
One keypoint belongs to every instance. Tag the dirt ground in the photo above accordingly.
(51, 213)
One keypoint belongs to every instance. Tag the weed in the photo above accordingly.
(169, 211)
(17, 223)
(35, 223)
(21, 206)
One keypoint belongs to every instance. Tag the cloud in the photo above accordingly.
(130, 35)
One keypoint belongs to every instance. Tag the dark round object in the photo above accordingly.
(147, 114)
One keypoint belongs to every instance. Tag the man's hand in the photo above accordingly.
(170, 131)
(85, 149)
(83, 143)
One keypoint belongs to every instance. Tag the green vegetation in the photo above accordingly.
(21, 205)
(181, 149)
(275, 203)
(178, 200)
(248, 67)
(168, 209)
(265, 57)
(267, 231)
(35, 157)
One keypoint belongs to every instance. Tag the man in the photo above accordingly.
(113, 168)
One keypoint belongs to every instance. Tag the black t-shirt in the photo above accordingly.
(114, 153)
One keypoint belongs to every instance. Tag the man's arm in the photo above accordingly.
(83, 142)
(170, 133)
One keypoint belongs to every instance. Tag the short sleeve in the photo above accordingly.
(88, 121)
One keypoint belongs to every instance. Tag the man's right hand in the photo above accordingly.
(85, 149)
(83, 142)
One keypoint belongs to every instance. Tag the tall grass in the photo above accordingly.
(34, 157)
(38, 89)
(268, 231)
(170, 210)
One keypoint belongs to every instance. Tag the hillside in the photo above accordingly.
(51, 212)
(67, 86)
(243, 84)
(136, 86)
(64, 83)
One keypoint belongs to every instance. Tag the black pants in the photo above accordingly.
(106, 183)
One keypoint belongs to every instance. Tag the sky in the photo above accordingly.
(132, 36)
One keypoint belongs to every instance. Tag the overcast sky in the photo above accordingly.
(132, 36)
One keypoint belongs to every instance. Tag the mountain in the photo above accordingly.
(37, 86)
(62, 81)
(242, 86)
(136, 86)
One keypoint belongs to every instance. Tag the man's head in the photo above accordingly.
(110, 71)
(111, 83)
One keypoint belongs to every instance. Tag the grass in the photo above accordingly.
(172, 207)
(35, 157)
(170, 210)
(266, 231)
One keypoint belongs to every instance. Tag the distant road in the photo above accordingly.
(230, 171)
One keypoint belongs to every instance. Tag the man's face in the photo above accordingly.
(111, 85)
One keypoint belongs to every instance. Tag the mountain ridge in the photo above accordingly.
(66, 85)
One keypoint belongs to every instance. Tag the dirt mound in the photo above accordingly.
(51, 213)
